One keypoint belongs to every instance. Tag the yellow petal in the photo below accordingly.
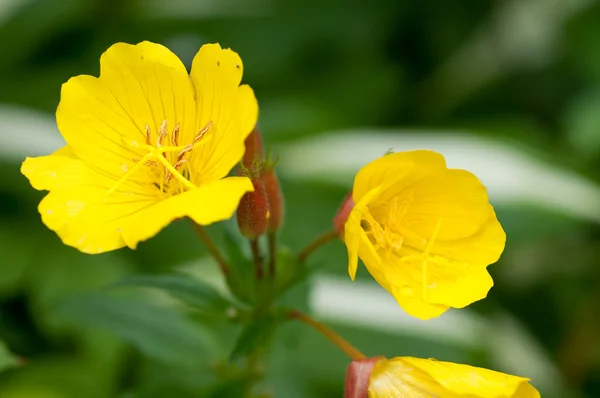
(483, 248)
(394, 280)
(205, 205)
(83, 219)
(396, 378)
(353, 232)
(396, 171)
(449, 284)
(62, 169)
(456, 198)
(101, 118)
(89, 221)
(464, 380)
(456, 274)
(404, 287)
(232, 109)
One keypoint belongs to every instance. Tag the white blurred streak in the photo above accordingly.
(512, 349)
(25, 132)
(8, 8)
(367, 304)
(511, 175)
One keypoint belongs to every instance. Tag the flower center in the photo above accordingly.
(173, 157)
(390, 237)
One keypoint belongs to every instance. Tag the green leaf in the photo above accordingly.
(253, 335)
(158, 332)
(7, 359)
(183, 287)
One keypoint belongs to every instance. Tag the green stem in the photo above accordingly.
(315, 244)
(272, 253)
(212, 248)
(336, 339)
(256, 258)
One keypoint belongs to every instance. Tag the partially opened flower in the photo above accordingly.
(146, 144)
(423, 378)
(425, 232)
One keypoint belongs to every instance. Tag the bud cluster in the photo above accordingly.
(260, 211)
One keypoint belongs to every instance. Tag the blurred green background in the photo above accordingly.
(508, 89)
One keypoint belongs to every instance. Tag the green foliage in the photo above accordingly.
(253, 336)
(183, 287)
(241, 279)
(368, 65)
(156, 331)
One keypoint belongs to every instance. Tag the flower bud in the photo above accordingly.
(275, 197)
(358, 375)
(342, 215)
(254, 149)
(253, 210)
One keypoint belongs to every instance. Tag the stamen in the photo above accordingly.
(398, 210)
(177, 166)
(175, 136)
(186, 149)
(176, 173)
(202, 131)
(162, 133)
(158, 154)
(148, 135)
(376, 231)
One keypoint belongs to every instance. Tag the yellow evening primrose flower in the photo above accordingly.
(425, 232)
(146, 144)
(409, 377)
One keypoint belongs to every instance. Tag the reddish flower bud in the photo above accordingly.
(357, 377)
(342, 215)
(254, 149)
(253, 210)
(275, 197)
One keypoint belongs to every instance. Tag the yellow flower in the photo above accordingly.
(409, 377)
(146, 144)
(426, 233)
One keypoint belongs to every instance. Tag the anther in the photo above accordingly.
(175, 136)
(202, 131)
(148, 135)
(185, 150)
(162, 133)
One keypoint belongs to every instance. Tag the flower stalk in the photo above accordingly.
(336, 339)
(272, 240)
(212, 248)
(315, 244)
(257, 258)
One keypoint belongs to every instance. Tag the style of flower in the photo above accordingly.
(425, 232)
(146, 144)
(410, 377)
